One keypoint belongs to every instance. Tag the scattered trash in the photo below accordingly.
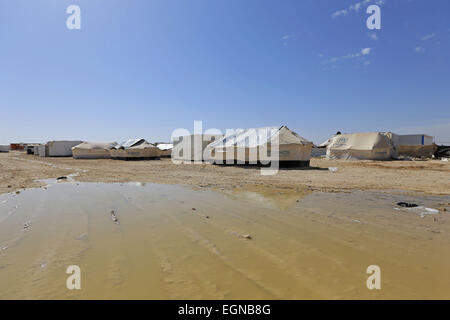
(82, 237)
(26, 225)
(17, 192)
(333, 169)
(247, 236)
(421, 210)
(407, 205)
(298, 201)
(444, 159)
(207, 217)
(114, 217)
(193, 209)
(62, 178)
(43, 265)
(9, 186)
(357, 221)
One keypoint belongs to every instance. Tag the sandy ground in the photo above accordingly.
(18, 171)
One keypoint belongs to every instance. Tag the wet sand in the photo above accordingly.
(318, 247)
(308, 240)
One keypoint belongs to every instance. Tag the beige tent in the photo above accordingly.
(370, 145)
(261, 146)
(413, 145)
(135, 149)
(93, 150)
(165, 149)
(192, 147)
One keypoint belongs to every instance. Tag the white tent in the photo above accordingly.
(413, 145)
(135, 149)
(165, 149)
(370, 145)
(60, 148)
(93, 150)
(42, 151)
(36, 150)
(4, 148)
(192, 147)
(262, 145)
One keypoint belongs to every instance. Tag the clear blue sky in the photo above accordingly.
(142, 68)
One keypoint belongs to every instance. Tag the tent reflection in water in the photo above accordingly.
(93, 150)
(369, 145)
(262, 146)
(135, 149)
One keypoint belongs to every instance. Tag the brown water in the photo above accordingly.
(317, 247)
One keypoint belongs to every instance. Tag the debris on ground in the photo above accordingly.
(26, 225)
(421, 210)
(114, 217)
(333, 169)
(247, 236)
(62, 178)
(193, 209)
(17, 192)
(407, 205)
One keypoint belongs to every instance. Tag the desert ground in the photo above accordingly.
(19, 171)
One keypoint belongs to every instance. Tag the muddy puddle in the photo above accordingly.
(173, 242)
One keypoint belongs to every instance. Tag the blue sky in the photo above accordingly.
(142, 68)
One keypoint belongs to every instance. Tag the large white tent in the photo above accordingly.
(93, 150)
(135, 149)
(368, 145)
(60, 148)
(4, 148)
(261, 146)
(192, 147)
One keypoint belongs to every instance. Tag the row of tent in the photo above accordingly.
(379, 146)
(129, 149)
(255, 145)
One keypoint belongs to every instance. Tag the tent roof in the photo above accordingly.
(131, 143)
(254, 137)
(134, 143)
(165, 146)
(95, 145)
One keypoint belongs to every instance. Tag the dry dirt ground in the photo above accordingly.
(18, 171)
